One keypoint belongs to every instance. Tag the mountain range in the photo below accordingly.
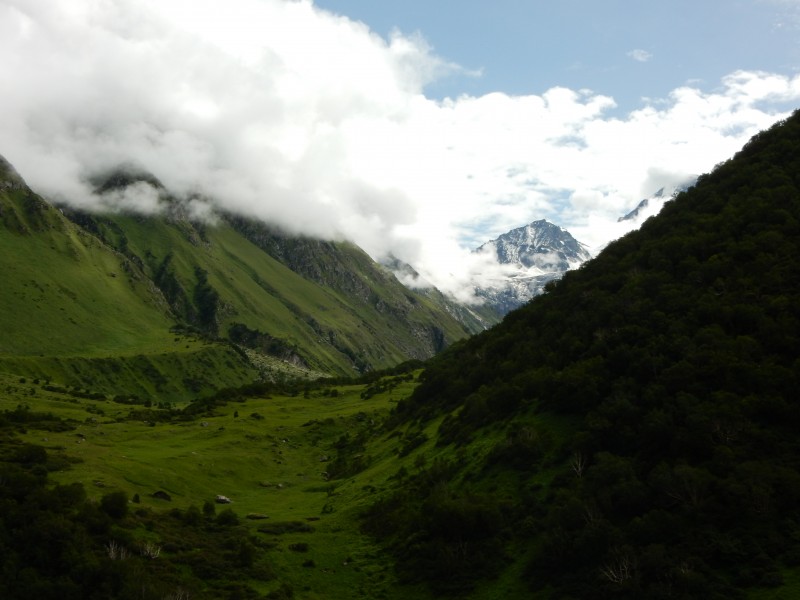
(88, 293)
(282, 301)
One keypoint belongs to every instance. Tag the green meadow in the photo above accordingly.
(289, 464)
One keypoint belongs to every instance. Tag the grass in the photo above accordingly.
(270, 460)
(328, 326)
(65, 294)
(190, 368)
(788, 591)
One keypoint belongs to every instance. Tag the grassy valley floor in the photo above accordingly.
(290, 463)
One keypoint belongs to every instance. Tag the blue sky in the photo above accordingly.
(415, 129)
(527, 47)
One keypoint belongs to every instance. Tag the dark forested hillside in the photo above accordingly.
(632, 432)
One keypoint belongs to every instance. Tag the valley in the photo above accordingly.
(628, 433)
(268, 454)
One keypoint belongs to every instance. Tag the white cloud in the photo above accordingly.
(141, 197)
(308, 120)
(640, 55)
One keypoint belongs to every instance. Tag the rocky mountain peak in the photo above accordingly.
(540, 252)
(540, 244)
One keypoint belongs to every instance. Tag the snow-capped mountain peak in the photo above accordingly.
(535, 254)
(651, 206)
(540, 245)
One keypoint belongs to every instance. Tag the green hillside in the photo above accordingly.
(79, 313)
(323, 305)
(64, 291)
(168, 308)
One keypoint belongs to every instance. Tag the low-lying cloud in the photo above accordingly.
(279, 110)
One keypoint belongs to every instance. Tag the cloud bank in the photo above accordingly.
(279, 110)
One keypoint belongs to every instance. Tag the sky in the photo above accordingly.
(624, 48)
(419, 130)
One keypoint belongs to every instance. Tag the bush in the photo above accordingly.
(192, 515)
(227, 518)
(115, 504)
(30, 454)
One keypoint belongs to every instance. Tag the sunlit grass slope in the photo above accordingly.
(318, 460)
(336, 310)
(118, 303)
(64, 293)
(78, 312)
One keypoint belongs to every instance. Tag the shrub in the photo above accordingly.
(115, 504)
(227, 518)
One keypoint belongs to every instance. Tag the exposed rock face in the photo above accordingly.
(9, 178)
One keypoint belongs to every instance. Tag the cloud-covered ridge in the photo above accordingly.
(281, 111)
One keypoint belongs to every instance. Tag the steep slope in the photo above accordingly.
(475, 317)
(321, 305)
(537, 253)
(77, 311)
(631, 432)
(348, 270)
(62, 290)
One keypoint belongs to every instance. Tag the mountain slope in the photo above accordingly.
(119, 284)
(62, 289)
(348, 270)
(78, 312)
(536, 254)
(631, 432)
(322, 305)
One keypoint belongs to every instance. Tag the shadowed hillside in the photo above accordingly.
(631, 433)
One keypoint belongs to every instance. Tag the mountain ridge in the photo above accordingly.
(652, 205)
(322, 306)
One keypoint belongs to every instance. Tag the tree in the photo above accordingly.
(115, 504)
